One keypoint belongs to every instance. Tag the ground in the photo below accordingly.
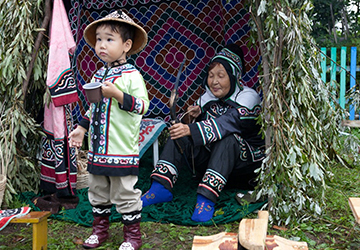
(335, 229)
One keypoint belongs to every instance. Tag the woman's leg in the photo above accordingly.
(175, 155)
(223, 159)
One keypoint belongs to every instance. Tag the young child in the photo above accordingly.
(113, 125)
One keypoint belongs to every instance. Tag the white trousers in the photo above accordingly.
(118, 190)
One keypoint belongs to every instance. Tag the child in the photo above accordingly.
(113, 125)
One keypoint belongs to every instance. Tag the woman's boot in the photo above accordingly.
(131, 229)
(100, 228)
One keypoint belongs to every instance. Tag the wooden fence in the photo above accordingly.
(347, 71)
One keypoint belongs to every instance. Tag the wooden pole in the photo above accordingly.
(39, 38)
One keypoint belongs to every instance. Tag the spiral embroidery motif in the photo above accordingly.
(245, 111)
(213, 180)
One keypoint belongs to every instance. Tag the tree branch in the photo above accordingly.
(39, 38)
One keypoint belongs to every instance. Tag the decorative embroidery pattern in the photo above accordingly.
(194, 30)
(257, 154)
(101, 211)
(139, 106)
(214, 181)
(166, 170)
(112, 160)
(131, 217)
(209, 131)
(245, 112)
(93, 239)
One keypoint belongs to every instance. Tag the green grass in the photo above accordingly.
(335, 229)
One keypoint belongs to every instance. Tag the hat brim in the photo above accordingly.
(140, 36)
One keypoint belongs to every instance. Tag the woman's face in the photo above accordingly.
(218, 81)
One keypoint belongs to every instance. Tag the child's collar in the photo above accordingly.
(116, 63)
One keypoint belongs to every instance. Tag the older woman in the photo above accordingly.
(225, 138)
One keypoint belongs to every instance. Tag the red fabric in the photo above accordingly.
(7, 215)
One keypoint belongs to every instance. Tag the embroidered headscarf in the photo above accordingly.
(232, 58)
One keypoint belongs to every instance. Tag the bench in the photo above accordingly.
(39, 221)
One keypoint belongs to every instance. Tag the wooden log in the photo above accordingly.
(355, 208)
(223, 240)
(252, 232)
(351, 123)
(274, 242)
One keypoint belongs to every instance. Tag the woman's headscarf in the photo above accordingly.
(232, 58)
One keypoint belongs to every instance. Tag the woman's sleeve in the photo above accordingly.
(241, 120)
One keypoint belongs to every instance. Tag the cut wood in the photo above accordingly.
(252, 232)
(228, 241)
(355, 208)
(274, 242)
(351, 123)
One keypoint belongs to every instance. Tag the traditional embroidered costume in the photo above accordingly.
(113, 126)
(225, 140)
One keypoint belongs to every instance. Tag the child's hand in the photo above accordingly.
(76, 137)
(109, 90)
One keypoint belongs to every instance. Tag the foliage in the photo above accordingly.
(18, 23)
(325, 15)
(336, 23)
(300, 116)
(336, 229)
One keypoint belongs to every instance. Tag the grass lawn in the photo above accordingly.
(335, 229)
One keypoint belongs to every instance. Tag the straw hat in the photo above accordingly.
(140, 36)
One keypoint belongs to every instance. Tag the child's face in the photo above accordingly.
(218, 81)
(110, 46)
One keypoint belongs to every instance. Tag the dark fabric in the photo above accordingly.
(213, 165)
(85, 123)
(177, 211)
(101, 211)
(129, 103)
(58, 162)
(131, 218)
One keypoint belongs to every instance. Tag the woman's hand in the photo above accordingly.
(192, 113)
(76, 137)
(179, 130)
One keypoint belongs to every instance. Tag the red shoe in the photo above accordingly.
(132, 237)
(99, 233)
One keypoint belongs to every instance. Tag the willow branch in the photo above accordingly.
(39, 38)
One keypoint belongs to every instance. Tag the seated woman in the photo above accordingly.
(225, 139)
